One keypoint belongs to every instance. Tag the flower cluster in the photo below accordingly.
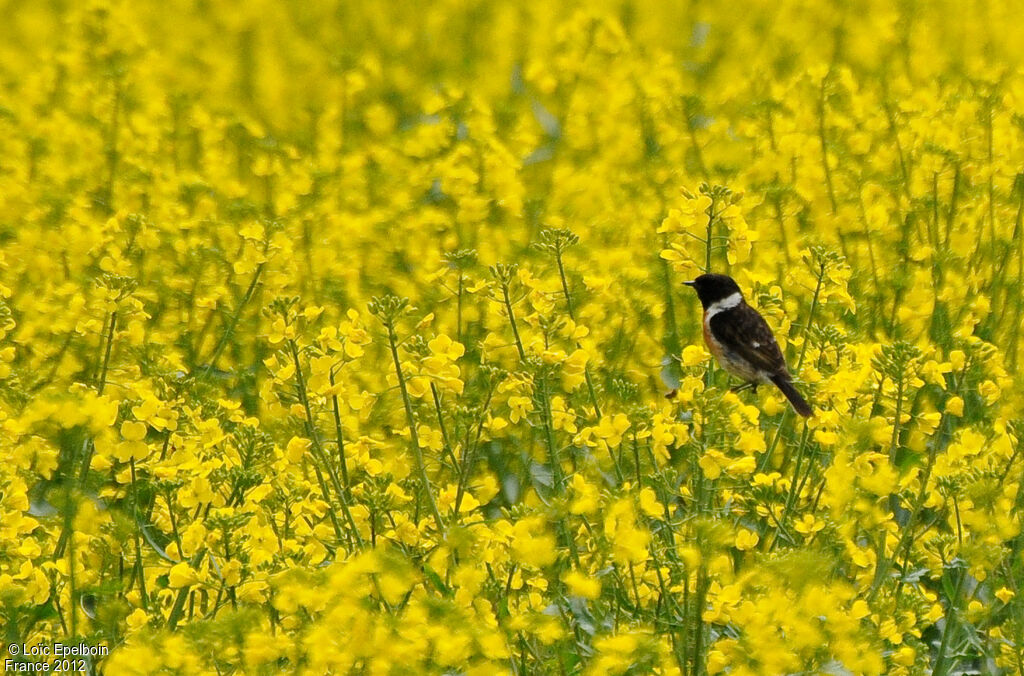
(335, 338)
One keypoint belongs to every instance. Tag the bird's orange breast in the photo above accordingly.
(727, 359)
(713, 345)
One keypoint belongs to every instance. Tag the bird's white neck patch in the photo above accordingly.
(727, 303)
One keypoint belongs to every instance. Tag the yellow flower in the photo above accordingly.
(717, 662)
(751, 441)
(629, 542)
(133, 431)
(860, 609)
(746, 539)
(531, 544)
(649, 504)
(694, 355)
(611, 428)
(519, 406)
(181, 575)
(137, 619)
(443, 346)
(562, 417)
(585, 496)
(582, 585)
(711, 463)
(808, 524)
(296, 449)
(129, 450)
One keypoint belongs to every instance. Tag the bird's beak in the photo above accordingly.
(690, 283)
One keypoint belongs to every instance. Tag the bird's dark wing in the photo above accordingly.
(744, 332)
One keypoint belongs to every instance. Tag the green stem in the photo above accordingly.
(469, 455)
(941, 661)
(447, 446)
(138, 545)
(698, 625)
(458, 318)
(179, 601)
(512, 320)
(572, 315)
(321, 456)
(101, 383)
(906, 540)
(339, 435)
(894, 442)
(709, 241)
(233, 322)
(795, 486)
(414, 440)
(549, 436)
(953, 203)
(87, 451)
(810, 317)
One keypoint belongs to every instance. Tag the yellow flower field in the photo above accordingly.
(335, 337)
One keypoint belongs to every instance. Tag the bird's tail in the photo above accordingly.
(800, 405)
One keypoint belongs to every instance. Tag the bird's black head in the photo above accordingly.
(712, 288)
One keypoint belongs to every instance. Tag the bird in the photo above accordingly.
(741, 340)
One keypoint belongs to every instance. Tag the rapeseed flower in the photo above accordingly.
(338, 340)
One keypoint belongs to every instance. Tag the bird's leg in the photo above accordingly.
(744, 386)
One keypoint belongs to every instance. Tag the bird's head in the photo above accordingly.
(712, 288)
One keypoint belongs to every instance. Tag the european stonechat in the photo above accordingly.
(740, 339)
